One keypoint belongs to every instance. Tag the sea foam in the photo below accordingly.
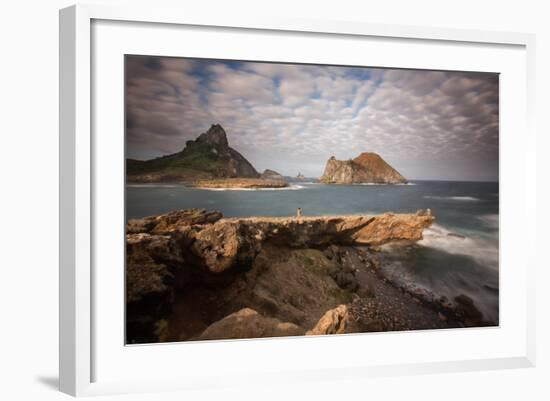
(482, 250)
(455, 198)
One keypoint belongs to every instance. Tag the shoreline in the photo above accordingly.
(194, 275)
(239, 183)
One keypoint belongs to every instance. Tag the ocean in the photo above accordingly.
(458, 255)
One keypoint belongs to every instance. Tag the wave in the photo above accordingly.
(490, 220)
(289, 188)
(455, 198)
(447, 264)
(482, 250)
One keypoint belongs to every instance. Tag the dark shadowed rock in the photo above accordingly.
(150, 261)
(293, 285)
(215, 136)
(466, 307)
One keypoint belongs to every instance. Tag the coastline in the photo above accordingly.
(194, 275)
(239, 183)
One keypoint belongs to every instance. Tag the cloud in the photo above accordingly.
(428, 124)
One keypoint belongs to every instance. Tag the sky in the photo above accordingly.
(435, 125)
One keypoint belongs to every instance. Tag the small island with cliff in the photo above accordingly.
(206, 162)
(292, 200)
(367, 168)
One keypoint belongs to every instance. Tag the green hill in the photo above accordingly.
(207, 157)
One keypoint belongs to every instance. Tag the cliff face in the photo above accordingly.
(366, 168)
(207, 157)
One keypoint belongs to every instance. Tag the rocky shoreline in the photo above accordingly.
(194, 275)
(244, 183)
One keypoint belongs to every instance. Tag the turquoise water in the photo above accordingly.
(442, 263)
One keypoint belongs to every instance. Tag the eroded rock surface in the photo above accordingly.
(238, 240)
(172, 221)
(247, 323)
(333, 321)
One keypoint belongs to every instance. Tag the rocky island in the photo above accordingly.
(207, 161)
(193, 275)
(367, 168)
(271, 175)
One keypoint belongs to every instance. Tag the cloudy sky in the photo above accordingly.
(292, 118)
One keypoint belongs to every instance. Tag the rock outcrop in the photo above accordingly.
(230, 240)
(207, 157)
(367, 168)
(280, 267)
(169, 222)
(333, 321)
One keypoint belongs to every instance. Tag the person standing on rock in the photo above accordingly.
(299, 212)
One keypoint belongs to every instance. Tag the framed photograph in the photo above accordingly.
(289, 199)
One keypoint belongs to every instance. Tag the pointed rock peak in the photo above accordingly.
(214, 136)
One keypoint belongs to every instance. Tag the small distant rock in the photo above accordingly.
(271, 175)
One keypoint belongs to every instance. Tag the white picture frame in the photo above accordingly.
(80, 348)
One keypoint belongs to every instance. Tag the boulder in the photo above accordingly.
(247, 323)
(221, 245)
(333, 321)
